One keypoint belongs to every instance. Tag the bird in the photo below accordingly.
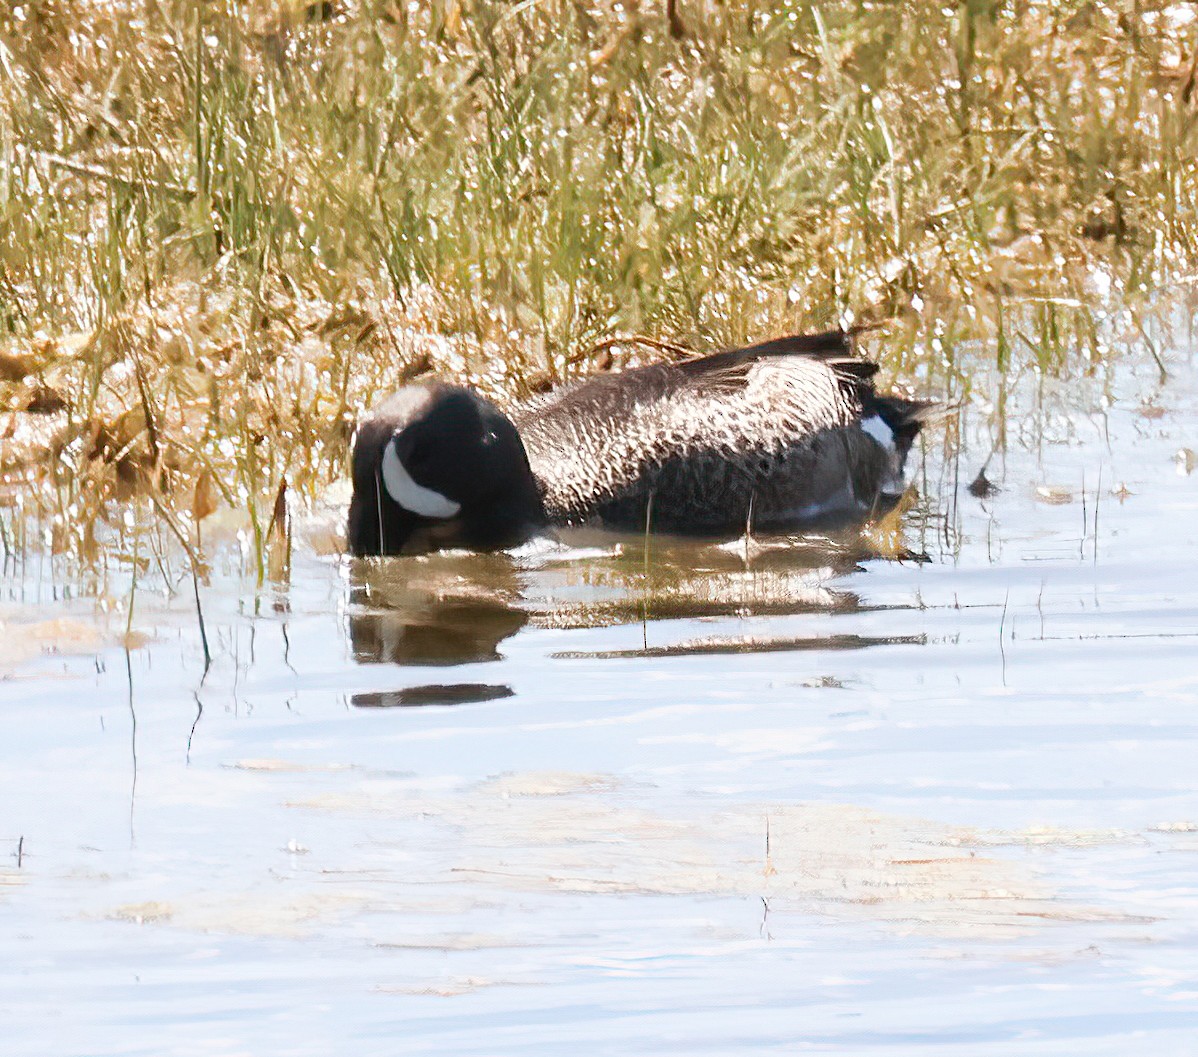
(781, 436)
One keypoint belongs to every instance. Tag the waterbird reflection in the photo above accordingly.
(457, 608)
(433, 611)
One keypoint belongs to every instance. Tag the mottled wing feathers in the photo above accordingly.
(702, 436)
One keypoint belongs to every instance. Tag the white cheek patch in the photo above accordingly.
(875, 427)
(410, 495)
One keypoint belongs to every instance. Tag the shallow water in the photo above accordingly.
(776, 797)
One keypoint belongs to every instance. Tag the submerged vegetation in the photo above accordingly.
(224, 226)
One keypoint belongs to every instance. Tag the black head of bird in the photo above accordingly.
(438, 466)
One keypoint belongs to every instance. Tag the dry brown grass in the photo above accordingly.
(224, 227)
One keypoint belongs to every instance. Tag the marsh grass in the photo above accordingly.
(225, 226)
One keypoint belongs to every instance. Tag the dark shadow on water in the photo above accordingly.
(715, 647)
(434, 694)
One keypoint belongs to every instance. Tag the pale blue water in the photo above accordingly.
(977, 775)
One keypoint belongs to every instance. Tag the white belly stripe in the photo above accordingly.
(410, 495)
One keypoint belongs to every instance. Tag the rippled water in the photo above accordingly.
(769, 797)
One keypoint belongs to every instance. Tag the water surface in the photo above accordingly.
(774, 796)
